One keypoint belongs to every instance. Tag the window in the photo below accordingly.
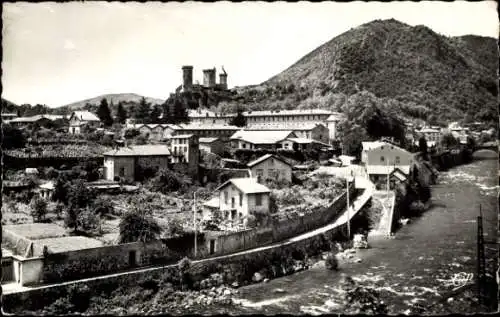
(382, 159)
(271, 172)
(271, 161)
(397, 160)
(258, 199)
(232, 202)
(241, 199)
(225, 197)
(122, 172)
(244, 145)
(260, 172)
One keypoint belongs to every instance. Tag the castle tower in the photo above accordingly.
(209, 77)
(223, 79)
(187, 77)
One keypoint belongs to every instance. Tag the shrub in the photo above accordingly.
(88, 222)
(103, 206)
(273, 206)
(38, 208)
(79, 296)
(331, 262)
(166, 181)
(135, 226)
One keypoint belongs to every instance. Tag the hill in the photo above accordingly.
(420, 73)
(129, 100)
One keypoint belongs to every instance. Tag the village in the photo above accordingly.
(95, 201)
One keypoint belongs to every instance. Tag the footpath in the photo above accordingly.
(356, 205)
(387, 200)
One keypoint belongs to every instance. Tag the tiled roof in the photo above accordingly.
(182, 136)
(286, 112)
(300, 140)
(277, 126)
(384, 169)
(36, 118)
(48, 185)
(265, 157)
(213, 203)
(85, 116)
(140, 150)
(262, 137)
(208, 127)
(246, 185)
(208, 140)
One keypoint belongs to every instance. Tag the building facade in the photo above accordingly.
(380, 158)
(240, 197)
(80, 119)
(122, 163)
(270, 167)
(212, 145)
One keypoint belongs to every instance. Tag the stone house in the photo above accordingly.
(302, 144)
(310, 131)
(123, 162)
(432, 136)
(46, 191)
(381, 158)
(184, 149)
(259, 139)
(212, 145)
(79, 119)
(240, 197)
(270, 167)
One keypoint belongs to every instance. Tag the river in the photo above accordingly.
(410, 268)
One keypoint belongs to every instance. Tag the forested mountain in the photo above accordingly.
(423, 74)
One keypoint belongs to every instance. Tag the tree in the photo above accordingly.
(121, 113)
(448, 141)
(104, 113)
(180, 112)
(12, 137)
(137, 225)
(103, 207)
(240, 120)
(166, 181)
(155, 114)
(273, 206)
(88, 222)
(61, 188)
(142, 112)
(422, 145)
(79, 195)
(38, 208)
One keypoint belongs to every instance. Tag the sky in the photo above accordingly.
(59, 53)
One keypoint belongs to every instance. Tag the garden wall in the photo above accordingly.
(16, 243)
(239, 267)
(278, 231)
(103, 260)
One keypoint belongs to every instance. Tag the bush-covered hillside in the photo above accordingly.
(426, 74)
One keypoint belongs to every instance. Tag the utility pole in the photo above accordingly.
(348, 214)
(194, 225)
(481, 267)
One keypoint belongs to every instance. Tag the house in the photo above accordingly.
(258, 139)
(231, 163)
(270, 167)
(123, 162)
(346, 159)
(311, 131)
(432, 136)
(8, 116)
(212, 145)
(41, 120)
(31, 171)
(241, 197)
(209, 207)
(282, 119)
(223, 132)
(302, 144)
(396, 178)
(381, 158)
(46, 191)
(79, 119)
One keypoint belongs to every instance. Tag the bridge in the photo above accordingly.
(492, 145)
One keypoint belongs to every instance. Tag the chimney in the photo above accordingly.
(187, 77)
